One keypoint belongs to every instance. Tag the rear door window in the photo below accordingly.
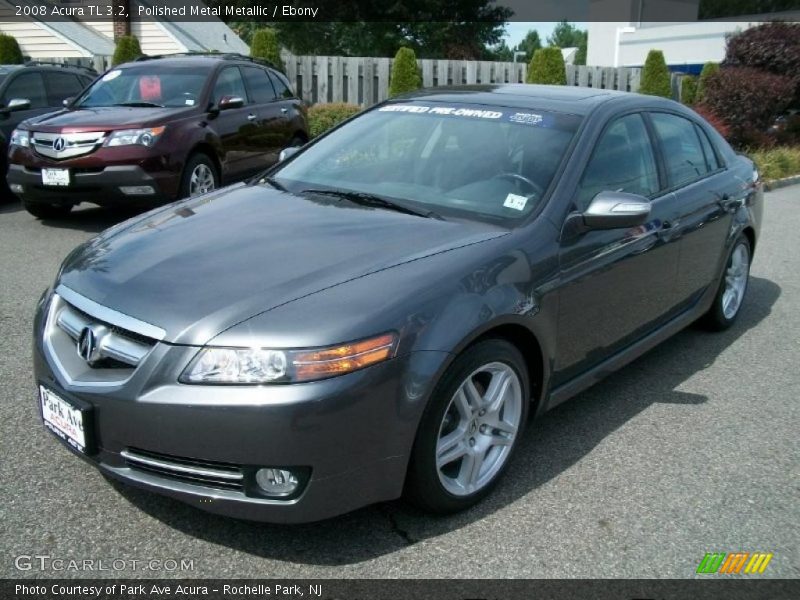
(259, 85)
(711, 157)
(683, 154)
(28, 86)
(229, 84)
(281, 86)
(61, 86)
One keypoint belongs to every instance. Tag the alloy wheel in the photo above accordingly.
(478, 429)
(735, 281)
(201, 180)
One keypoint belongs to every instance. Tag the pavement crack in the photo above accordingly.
(399, 531)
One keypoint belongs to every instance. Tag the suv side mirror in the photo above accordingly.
(287, 152)
(67, 101)
(18, 104)
(616, 210)
(229, 102)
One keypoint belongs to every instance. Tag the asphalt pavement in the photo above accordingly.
(693, 448)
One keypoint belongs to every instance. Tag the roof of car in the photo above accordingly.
(6, 69)
(197, 58)
(561, 98)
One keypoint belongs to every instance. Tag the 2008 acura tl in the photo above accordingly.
(380, 313)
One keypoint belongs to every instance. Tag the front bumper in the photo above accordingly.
(351, 434)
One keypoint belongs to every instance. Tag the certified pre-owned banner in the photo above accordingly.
(418, 589)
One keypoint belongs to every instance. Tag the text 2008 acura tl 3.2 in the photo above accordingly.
(380, 313)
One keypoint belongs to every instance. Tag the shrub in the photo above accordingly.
(322, 117)
(748, 101)
(772, 47)
(10, 54)
(777, 163)
(547, 67)
(265, 46)
(709, 69)
(655, 76)
(688, 90)
(127, 49)
(405, 75)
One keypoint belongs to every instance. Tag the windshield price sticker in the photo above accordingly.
(526, 118)
(515, 201)
(454, 111)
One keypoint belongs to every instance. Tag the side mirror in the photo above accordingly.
(229, 102)
(616, 210)
(18, 104)
(68, 101)
(287, 152)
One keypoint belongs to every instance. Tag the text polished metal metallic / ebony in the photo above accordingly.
(380, 313)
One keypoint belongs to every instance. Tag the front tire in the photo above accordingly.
(199, 176)
(470, 428)
(47, 211)
(732, 288)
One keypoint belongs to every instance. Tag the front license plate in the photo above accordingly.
(62, 418)
(55, 177)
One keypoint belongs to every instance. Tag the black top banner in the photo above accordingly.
(429, 11)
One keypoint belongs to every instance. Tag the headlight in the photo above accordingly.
(262, 365)
(133, 137)
(20, 137)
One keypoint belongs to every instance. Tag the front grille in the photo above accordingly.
(90, 344)
(66, 145)
(212, 474)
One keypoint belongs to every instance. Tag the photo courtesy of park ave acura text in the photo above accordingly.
(448, 299)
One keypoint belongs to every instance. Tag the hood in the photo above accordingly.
(103, 119)
(200, 266)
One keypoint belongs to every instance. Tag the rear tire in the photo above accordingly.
(47, 211)
(467, 434)
(732, 289)
(199, 176)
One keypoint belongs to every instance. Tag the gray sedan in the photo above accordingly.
(381, 313)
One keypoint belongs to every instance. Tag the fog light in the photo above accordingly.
(137, 190)
(16, 188)
(277, 482)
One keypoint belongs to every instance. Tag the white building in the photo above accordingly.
(686, 42)
(92, 42)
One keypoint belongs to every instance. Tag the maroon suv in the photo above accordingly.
(155, 130)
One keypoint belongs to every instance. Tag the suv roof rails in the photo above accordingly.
(221, 55)
(37, 63)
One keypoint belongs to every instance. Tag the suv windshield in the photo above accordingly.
(147, 85)
(490, 163)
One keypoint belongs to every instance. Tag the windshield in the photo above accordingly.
(485, 162)
(147, 85)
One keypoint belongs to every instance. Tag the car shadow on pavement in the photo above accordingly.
(91, 219)
(11, 206)
(550, 446)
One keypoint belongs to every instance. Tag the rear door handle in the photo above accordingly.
(251, 117)
(284, 110)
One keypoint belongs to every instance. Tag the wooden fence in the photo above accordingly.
(365, 80)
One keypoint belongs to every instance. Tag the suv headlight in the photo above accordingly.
(135, 137)
(262, 365)
(20, 137)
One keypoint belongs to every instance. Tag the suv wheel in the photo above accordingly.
(47, 211)
(470, 428)
(732, 288)
(199, 176)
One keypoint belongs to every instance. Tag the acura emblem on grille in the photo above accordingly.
(88, 344)
(59, 144)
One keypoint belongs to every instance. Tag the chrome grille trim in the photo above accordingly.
(75, 144)
(185, 470)
(107, 315)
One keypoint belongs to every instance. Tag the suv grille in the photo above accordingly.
(66, 145)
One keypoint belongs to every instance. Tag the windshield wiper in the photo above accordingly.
(273, 182)
(139, 104)
(376, 201)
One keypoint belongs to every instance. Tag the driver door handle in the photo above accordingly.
(251, 117)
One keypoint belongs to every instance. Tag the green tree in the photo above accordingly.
(709, 69)
(10, 54)
(500, 52)
(127, 49)
(405, 74)
(529, 44)
(688, 90)
(567, 35)
(655, 76)
(265, 45)
(547, 66)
